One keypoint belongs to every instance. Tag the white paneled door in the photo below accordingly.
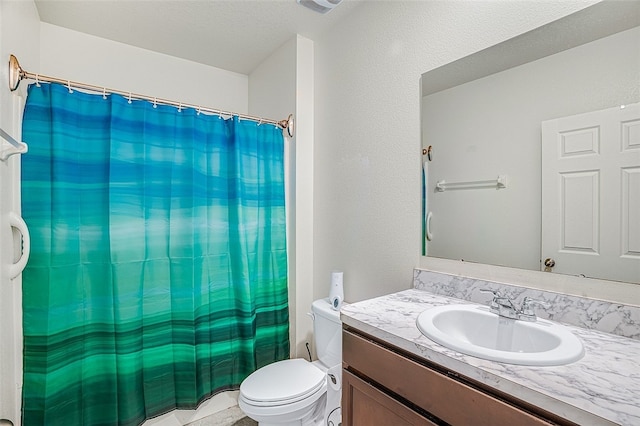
(591, 194)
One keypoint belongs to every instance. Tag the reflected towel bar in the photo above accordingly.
(499, 183)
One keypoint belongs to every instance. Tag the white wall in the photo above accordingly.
(491, 126)
(283, 85)
(85, 58)
(367, 138)
(304, 193)
(19, 34)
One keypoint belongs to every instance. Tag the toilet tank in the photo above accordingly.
(327, 332)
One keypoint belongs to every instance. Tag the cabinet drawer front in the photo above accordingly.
(448, 399)
(365, 405)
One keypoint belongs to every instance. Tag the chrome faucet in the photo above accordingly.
(504, 307)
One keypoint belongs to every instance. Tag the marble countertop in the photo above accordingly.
(602, 388)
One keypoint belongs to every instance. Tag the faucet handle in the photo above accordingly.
(528, 301)
(494, 301)
(496, 293)
(527, 310)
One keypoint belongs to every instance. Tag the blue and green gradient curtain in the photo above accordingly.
(158, 270)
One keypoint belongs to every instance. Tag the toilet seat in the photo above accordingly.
(281, 383)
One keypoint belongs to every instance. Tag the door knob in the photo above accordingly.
(548, 264)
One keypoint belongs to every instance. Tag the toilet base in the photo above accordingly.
(307, 416)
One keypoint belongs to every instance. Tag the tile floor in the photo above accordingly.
(232, 416)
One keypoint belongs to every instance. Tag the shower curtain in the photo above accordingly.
(158, 270)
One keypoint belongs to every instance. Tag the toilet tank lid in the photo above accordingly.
(323, 308)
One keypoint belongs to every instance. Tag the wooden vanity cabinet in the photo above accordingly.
(384, 386)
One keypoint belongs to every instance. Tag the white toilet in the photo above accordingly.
(294, 391)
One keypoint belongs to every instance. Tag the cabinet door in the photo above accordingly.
(365, 405)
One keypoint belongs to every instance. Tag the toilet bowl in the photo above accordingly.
(288, 392)
(293, 392)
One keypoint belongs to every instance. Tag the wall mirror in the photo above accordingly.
(486, 198)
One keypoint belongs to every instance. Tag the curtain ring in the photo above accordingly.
(129, 98)
(155, 102)
(180, 107)
(69, 86)
(199, 110)
(104, 93)
(37, 80)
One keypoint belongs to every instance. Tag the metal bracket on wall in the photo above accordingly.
(15, 148)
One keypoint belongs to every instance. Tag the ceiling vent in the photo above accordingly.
(320, 6)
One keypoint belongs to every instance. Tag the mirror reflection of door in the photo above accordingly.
(591, 193)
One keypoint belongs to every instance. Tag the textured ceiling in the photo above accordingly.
(235, 35)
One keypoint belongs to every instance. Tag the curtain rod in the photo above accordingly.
(17, 74)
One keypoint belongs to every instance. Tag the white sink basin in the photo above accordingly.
(473, 330)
